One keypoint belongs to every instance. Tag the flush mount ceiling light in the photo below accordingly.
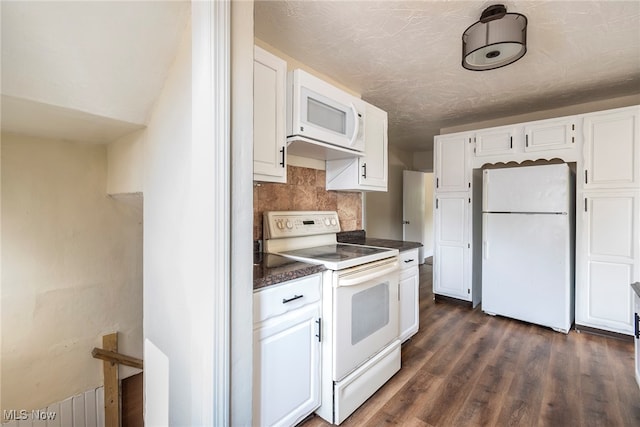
(497, 39)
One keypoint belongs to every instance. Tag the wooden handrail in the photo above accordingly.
(113, 357)
(110, 360)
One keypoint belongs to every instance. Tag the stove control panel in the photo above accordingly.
(280, 224)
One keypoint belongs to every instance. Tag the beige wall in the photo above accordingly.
(293, 64)
(72, 270)
(125, 164)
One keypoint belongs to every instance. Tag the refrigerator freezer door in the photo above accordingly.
(543, 188)
(526, 268)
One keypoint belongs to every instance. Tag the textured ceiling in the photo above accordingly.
(404, 56)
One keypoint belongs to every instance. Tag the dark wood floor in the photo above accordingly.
(465, 368)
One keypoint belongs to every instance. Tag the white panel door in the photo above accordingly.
(452, 261)
(612, 150)
(413, 206)
(609, 242)
(452, 163)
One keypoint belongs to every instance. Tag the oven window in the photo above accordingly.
(369, 311)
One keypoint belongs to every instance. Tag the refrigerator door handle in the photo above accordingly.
(485, 244)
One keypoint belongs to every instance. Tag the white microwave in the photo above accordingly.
(323, 115)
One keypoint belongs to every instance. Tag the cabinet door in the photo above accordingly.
(452, 260)
(452, 169)
(637, 338)
(608, 245)
(494, 141)
(612, 150)
(373, 166)
(409, 301)
(286, 377)
(269, 88)
(550, 134)
(369, 172)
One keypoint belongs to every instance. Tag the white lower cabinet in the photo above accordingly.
(608, 247)
(636, 323)
(409, 294)
(452, 257)
(286, 352)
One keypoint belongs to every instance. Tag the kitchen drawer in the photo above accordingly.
(408, 258)
(279, 299)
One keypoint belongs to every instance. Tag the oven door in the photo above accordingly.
(365, 301)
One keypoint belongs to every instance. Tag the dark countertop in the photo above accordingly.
(636, 288)
(359, 237)
(269, 269)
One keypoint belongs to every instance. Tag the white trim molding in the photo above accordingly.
(211, 120)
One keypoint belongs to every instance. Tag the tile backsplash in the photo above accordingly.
(305, 191)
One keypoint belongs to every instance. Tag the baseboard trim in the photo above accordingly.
(603, 333)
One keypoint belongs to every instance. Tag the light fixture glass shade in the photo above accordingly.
(494, 43)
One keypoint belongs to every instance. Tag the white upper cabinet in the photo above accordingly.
(612, 149)
(374, 163)
(452, 169)
(369, 172)
(555, 134)
(495, 141)
(269, 121)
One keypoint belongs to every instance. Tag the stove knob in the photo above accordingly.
(333, 221)
(289, 225)
(279, 224)
(326, 221)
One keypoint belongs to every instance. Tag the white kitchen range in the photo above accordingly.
(360, 323)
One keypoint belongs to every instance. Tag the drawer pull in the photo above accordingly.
(295, 297)
(408, 260)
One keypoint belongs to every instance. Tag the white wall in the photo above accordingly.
(186, 231)
(169, 316)
(383, 210)
(241, 371)
(72, 270)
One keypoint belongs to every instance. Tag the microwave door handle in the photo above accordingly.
(356, 127)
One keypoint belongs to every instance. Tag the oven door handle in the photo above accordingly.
(365, 276)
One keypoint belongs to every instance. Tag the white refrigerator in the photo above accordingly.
(527, 244)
